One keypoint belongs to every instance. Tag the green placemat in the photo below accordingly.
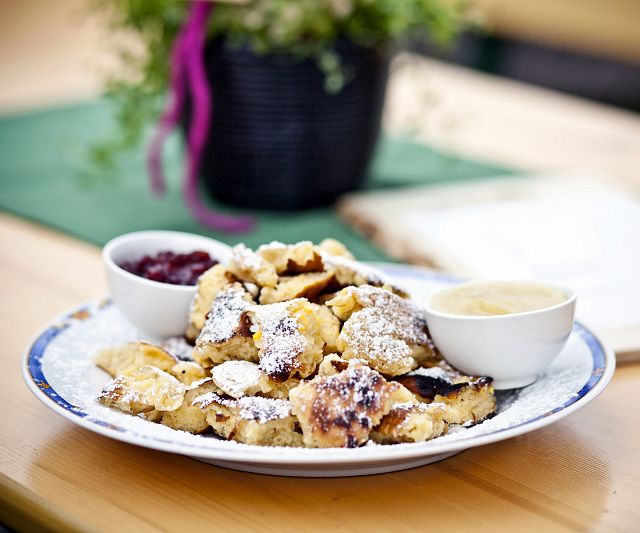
(43, 156)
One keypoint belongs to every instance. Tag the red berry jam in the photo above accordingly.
(168, 267)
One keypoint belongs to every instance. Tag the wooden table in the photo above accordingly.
(581, 473)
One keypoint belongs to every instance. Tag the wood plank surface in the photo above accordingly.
(582, 473)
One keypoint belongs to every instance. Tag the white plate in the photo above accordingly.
(58, 368)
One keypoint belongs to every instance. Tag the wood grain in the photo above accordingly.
(581, 473)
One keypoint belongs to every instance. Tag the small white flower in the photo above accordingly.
(340, 8)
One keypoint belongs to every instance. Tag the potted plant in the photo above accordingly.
(279, 100)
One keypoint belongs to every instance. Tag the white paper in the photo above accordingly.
(587, 240)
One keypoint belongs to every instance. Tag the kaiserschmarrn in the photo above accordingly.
(297, 345)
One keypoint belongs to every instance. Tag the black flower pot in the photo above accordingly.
(277, 139)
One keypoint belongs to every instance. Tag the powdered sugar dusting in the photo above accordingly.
(69, 369)
(246, 259)
(223, 321)
(281, 341)
(385, 329)
(367, 272)
(342, 409)
(353, 395)
(434, 372)
(255, 408)
(237, 377)
(263, 409)
(178, 347)
(273, 245)
(117, 391)
(209, 398)
(198, 383)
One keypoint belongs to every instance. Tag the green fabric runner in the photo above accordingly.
(43, 157)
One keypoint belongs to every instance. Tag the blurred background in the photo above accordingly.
(586, 48)
(589, 48)
(505, 143)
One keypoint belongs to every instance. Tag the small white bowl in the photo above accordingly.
(512, 348)
(159, 310)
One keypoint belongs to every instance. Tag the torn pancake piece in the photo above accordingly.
(411, 422)
(292, 258)
(179, 347)
(240, 378)
(335, 247)
(210, 283)
(329, 327)
(387, 331)
(469, 402)
(130, 357)
(187, 417)
(144, 390)
(251, 419)
(331, 365)
(188, 372)
(342, 409)
(226, 335)
(469, 399)
(348, 272)
(307, 285)
(280, 389)
(288, 337)
(247, 265)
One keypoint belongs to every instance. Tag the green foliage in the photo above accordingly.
(303, 28)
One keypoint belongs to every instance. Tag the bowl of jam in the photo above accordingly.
(152, 276)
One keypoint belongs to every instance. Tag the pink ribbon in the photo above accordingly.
(187, 72)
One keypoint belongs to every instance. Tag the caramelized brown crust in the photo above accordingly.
(348, 272)
(429, 388)
(341, 410)
(209, 285)
(469, 400)
(411, 422)
(307, 285)
(312, 264)
(247, 265)
(331, 365)
(226, 334)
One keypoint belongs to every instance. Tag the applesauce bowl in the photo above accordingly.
(511, 348)
(157, 309)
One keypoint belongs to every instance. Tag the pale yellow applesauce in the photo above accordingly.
(496, 298)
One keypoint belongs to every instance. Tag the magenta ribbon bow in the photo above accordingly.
(187, 72)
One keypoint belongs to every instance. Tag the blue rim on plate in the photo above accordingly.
(34, 372)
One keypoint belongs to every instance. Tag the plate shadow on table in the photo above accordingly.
(495, 486)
